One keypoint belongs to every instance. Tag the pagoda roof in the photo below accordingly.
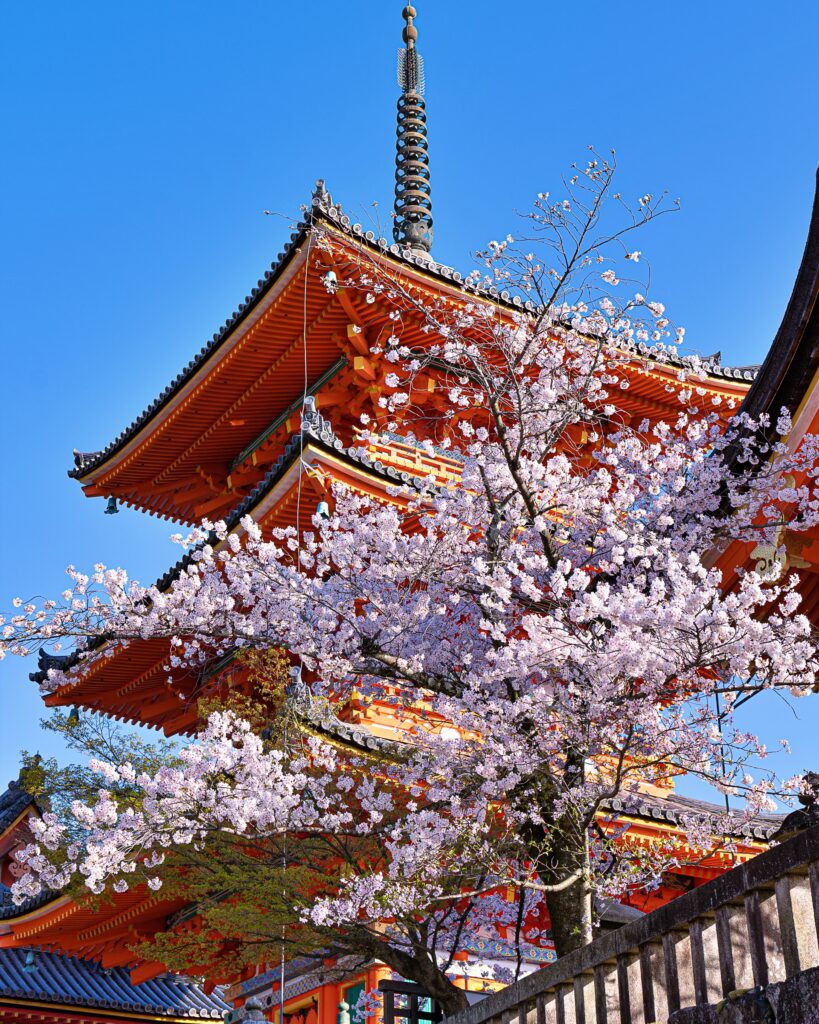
(68, 981)
(791, 366)
(322, 208)
(789, 378)
(674, 808)
(13, 802)
(178, 458)
(143, 661)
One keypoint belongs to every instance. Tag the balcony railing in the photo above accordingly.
(407, 1003)
(753, 926)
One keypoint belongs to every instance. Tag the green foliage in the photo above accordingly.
(55, 786)
(241, 898)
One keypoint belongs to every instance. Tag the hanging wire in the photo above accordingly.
(302, 468)
(303, 399)
(284, 899)
(722, 748)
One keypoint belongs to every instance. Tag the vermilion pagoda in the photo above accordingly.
(262, 422)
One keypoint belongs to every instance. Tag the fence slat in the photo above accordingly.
(740, 947)
(647, 983)
(672, 979)
(622, 990)
(787, 926)
(756, 939)
(684, 955)
(712, 974)
(570, 1015)
(584, 999)
(725, 954)
(804, 921)
(772, 935)
(560, 1007)
(635, 989)
(547, 1008)
(606, 996)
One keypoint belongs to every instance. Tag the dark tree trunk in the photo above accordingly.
(560, 848)
(422, 968)
(570, 909)
(449, 997)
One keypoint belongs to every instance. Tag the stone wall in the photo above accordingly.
(795, 1001)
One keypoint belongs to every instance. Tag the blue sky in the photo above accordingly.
(144, 141)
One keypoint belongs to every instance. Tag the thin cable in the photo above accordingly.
(303, 401)
(724, 766)
(722, 749)
(284, 897)
(302, 467)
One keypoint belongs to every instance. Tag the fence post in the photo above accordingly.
(547, 1008)
(672, 970)
(797, 923)
(741, 954)
(705, 956)
(606, 993)
(634, 982)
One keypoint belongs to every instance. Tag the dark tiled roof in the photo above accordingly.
(323, 207)
(793, 359)
(9, 909)
(65, 979)
(317, 715)
(12, 804)
(673, 808)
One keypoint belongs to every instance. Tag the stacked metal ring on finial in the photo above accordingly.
(413, 190)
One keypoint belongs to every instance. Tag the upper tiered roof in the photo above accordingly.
(202, 445)
(789, 379)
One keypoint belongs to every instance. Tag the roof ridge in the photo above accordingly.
(322, 205)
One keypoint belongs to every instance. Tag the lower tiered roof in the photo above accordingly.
(41, 986)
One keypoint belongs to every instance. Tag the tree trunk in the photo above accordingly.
(450, 998)
(424, 971)
(570, 913)
(566, 841)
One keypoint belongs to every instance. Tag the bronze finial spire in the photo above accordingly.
(413, 192)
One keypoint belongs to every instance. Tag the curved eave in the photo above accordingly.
(118, 469)
(91, 466)
(131, 682)
(673, 810)
(32, 910)
(44, 1012)
(793, 360)
(88, 465)
(87, 928)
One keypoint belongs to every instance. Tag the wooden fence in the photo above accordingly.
(754, 925)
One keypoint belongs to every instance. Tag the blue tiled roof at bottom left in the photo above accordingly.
(82, 983)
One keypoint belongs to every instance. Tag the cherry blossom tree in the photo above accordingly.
(560, 609)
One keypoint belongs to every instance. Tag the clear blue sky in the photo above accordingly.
(142, 141)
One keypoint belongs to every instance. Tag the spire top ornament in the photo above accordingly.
(413, 193)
